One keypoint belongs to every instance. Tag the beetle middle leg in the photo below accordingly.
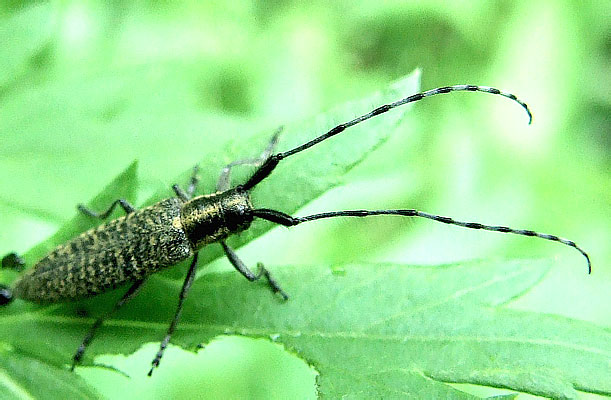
(248, 274)
(181, 298)
(125, 205)
(130, 294)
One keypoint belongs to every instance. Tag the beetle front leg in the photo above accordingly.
(244, 270)
(224, 179)
(193, 181)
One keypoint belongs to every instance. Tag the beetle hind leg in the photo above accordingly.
(130, 294)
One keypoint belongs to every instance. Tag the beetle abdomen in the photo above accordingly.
(122, 250)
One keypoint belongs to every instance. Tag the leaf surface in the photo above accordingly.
(24, 378)
(369, 330)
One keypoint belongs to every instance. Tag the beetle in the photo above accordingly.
(130, 248)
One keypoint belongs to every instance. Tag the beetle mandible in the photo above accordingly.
(130, 248)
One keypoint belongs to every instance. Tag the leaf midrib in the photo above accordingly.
(258, 332)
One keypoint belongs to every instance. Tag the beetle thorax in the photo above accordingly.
(214, 217)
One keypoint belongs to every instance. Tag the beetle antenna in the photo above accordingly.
(268, 166)
(286, 220)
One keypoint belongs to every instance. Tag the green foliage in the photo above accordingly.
(87, 87)
(368, 330)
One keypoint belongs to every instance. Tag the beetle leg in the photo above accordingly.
(130, 294)
(181, 298)
(193, 181)
(181, 194)
(223, 182)
(248, 274)
(103, 215)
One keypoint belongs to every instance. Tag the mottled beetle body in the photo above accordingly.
(130, 248)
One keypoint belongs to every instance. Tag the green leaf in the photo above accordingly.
(23, 377)
(370, 331)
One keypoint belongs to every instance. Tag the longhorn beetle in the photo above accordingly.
(130, 248)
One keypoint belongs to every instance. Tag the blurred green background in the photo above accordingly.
(86, 87)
